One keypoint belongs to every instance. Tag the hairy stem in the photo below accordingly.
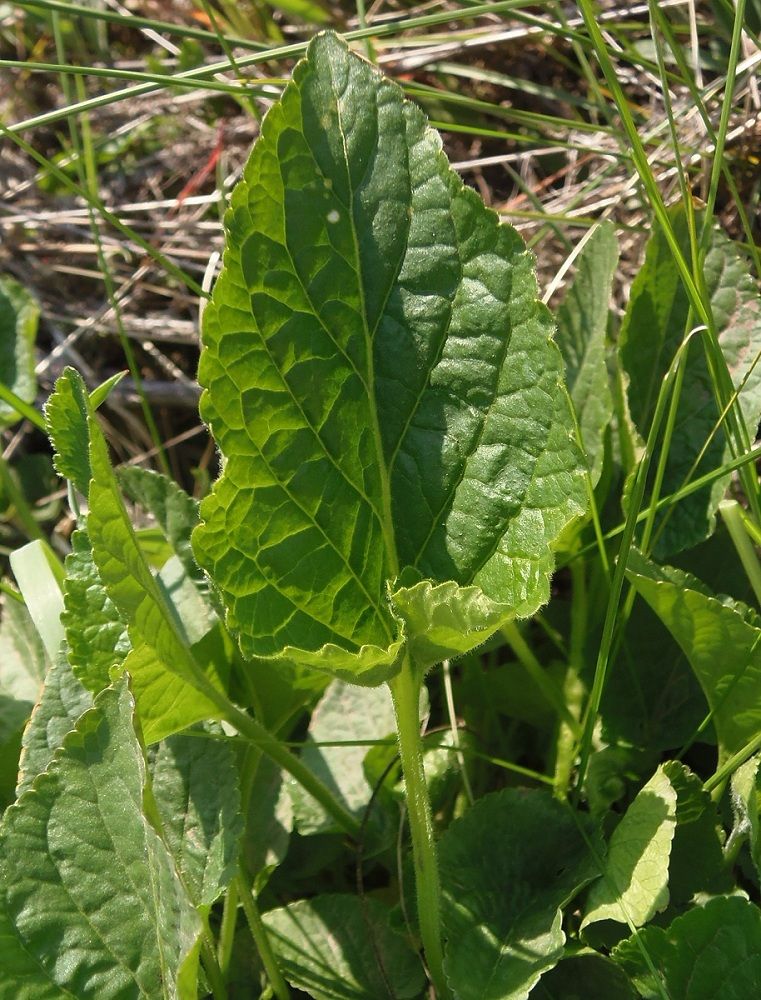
(405, 691)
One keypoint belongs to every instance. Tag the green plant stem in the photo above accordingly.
(733, 518)
(261, 940)
(262, 738)
(16, 497)
(226, 938)
(539, 676)
(573, 688)
(211, 967)
(405, 692)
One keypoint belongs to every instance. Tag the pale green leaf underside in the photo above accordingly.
(342, 948)
(19, 315)
(712, 952)
(23, 662)
(345, 712)
(720, 637)
(507, 868)
(634, 885)
(379, 377)
(90, 902)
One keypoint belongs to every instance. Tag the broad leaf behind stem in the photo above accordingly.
(653, 328)
(383, 385)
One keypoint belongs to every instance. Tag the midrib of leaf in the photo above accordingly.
(387, 523)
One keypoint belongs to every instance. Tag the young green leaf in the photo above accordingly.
(195, 785)
(712, 951)
(745, 807)
(582, 320)
(95, 632)
(634, 883)
(176, 513)
(61, 704)
(383, 386)
(652, 330)
(19, 315)
(345, 712)
(720, 637)
(342, 948)
(66, 413)
(90, 902)
(507, 869)
(166, 674)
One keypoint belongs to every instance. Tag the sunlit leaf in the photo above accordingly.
(711, 951)
(507, 869)
(720, 637)
(61, 704)
(634, 882)
(383, 385)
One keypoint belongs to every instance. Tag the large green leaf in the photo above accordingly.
(634, 883)
(350, 713)
(720, 637)
(342, 948)
(582, 319)
(507, 868)
(61, 704)
(383, 386)
(90, 901)
(195, 784)
(713, 952)
(19, 315)
(653, 329)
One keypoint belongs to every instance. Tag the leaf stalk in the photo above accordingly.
(405, 692)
